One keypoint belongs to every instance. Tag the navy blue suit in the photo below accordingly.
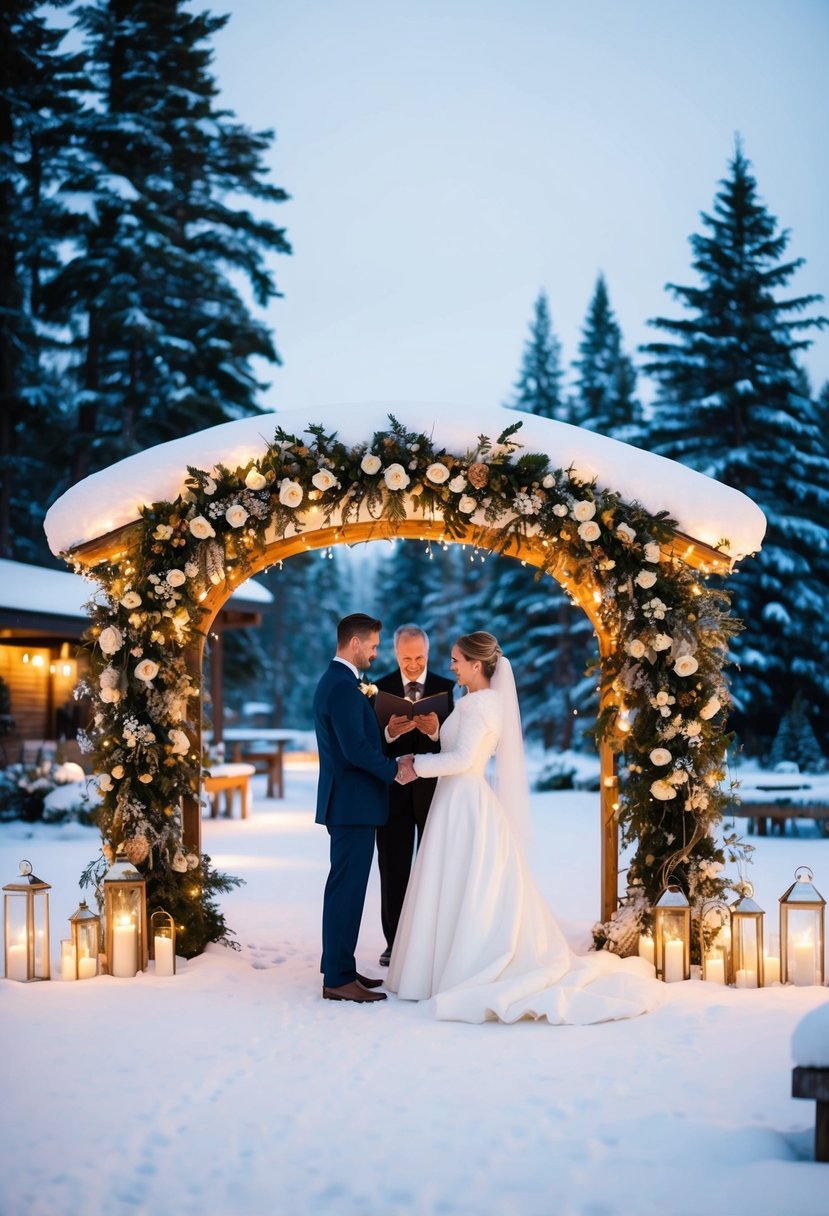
(352, 802)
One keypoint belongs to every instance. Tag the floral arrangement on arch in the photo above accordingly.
(664, 698)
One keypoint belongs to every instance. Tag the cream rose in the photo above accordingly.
(118, 772)
(626, 533)
(163, 532)
(201, 528)
(323, 480)
(175, 578)
(111, 639)
(146, 670)
(458, 484)
(180, 742)
(290, 493)
(686, 665)
(209, 487)
(692, 729)
(662, 642)
(548, 482)
(589, 531)
(396, 477)
(131, 600)
(109, 695)
(254, 480)
(438, 473)
(236, 515)
(652, 552)
(560, 510)
(663, 791)
(179, 863)
(645, 578)
(467, 504)
(636, 648)
(660, 756)
(145, 778)
(104, 783)
(711, 707)
(584, 510)
(370, 464)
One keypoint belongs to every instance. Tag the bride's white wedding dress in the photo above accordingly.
(475, 934)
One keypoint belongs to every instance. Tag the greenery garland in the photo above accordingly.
(664, 695)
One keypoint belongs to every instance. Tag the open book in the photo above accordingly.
(386, 704)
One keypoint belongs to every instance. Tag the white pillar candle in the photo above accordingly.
(163, 955)
(124, 960)
(17, 969)
(803, 972)
(67, 960)
(714, 969)
(674, 962)
(87, 967)
(646, 947)
(746, 978)
(771, 969)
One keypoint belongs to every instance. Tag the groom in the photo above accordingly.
(352, 802)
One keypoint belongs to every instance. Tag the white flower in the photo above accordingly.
(118, 772)
(626, 533)
(209, 486)
(163, 532)
(663, 791)
(458, 484)
(589, 531)
(660, 756)
(370, 464)
(645, 578)
(109, 677)
(145, 778)
(584, 510)
(652, 552)
(711, 707)
(548, 482)
(192, 861)
(467, 504)
(146, 670)
(201, 528)
(236, 515)
(175, 577)
(111, 639)
(131, 600)
(636, 648)
(104, 782)
(527, 504)
(678, 777)
(396, 477)
(685, 665)
(110, 696)
(559, 509)
(662, 698)
(191, 569)
(290, 493)
(662, 642)
(179, 863)
(691, 729)
(254, 480)
(180, 742)
(438, 473)
(368, 690)
(323, 480)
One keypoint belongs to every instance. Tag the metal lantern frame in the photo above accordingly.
(718, 943)
(125, 905)
(86, 941)
(26, 919)
(672, 922)
(802, 908)
(747, 953)
(162, 925)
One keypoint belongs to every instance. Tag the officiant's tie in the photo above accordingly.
(414, 691)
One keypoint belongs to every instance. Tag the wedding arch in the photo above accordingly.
(634, 539)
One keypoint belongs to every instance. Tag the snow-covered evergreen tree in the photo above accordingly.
(604, 398)
(796, 741)
(538, 387)
(732, 403)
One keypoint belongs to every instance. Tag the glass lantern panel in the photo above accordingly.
(40, 909)
(17, 961)
(803, 943)
(746, 948)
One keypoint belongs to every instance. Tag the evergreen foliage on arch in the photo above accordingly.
(663, 691)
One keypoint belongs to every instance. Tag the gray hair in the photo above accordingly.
(410, 631)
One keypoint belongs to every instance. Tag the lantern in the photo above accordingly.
(163, 942)
(715, 942)
(125, 918)
(672, 935)
(26, 936)
(747, 959)
(802, 931)
(86, 936)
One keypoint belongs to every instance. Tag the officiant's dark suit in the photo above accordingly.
(408, 808)
(352, 802)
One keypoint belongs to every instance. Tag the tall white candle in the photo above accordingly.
(646, 947)
(747, 978)
(87, 967)
(715, 969)
(674, 961)
(163, 955)
(124, 960)
(17, 969)
(67, 960)
(803, 972)
(771, 969)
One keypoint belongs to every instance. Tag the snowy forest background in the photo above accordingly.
(139, 243)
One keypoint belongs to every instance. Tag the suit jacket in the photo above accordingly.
(413, 740)
(354, 772)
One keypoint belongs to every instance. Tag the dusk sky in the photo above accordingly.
(449, 158)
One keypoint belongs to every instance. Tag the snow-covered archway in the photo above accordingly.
(631, 536)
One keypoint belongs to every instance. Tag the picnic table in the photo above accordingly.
(264, 748)
(771, 803)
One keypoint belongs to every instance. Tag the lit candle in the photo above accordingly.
(163, 955)
(87, 967)
(17, 969)
(674, 961)
(124, 949)
(771, 969)
(804, 963)
(746, 978)
(67, 960)
(646, 947)
(714, 969)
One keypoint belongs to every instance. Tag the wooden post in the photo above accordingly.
(814, 1083)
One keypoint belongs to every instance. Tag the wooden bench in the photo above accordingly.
(760, 814)
(228, 779)
(814, 1083)
(271, 757)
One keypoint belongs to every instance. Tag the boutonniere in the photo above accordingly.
(368, 690)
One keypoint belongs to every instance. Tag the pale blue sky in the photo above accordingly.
(448, 158)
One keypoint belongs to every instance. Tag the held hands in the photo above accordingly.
(399, 724)
(405, 770)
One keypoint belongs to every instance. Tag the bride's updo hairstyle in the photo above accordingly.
(480, 648)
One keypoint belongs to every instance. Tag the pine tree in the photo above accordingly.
(538, 388)
(161, 339)
(731, 403)
(796, 740)
(606, 385)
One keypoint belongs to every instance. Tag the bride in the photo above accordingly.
(475, 935)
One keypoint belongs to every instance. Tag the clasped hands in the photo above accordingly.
(405, 770)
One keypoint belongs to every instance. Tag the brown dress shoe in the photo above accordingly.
(368, 982)
(352, 992)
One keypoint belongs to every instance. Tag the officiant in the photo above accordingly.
(408, 804)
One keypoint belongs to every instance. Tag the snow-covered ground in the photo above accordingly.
(234, 1088)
